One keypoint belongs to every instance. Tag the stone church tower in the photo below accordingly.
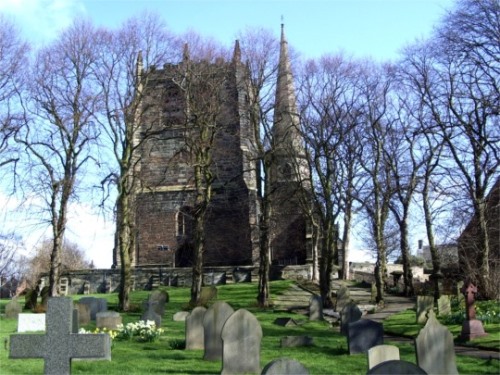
(164, 201)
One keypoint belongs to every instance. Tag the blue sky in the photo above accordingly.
(363, 28)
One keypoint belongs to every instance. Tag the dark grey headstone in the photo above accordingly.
(350, 314)
(150, 313)
(213, 321)
(284, 366)
(363, 335)
(396, 367)
(435, 349)
(59, 345)
(160, 298)
(194, 329)
(294, 341)
(12, 309)
(241, 337)
(343, 298)
(316, 308)
(95, 304)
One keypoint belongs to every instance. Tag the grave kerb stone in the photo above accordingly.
(59, 345)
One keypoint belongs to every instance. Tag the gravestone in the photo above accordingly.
(284, 366)
(286, 322)
(460, 296)
(241, 337)
(30, 299)
(44, 294)
(83, 313)
(213, 321)
(194, 329)
(471, 327)
(13, 309)
(207, 294)
(180, 316)
(160, 297)
(444, 305)
(316, 308)
(108, 320)
(150, 313)
(350, 314)
(382, 353)
(435, 349)
(373, 293)
(59, 345)
(343, 298)
(363, 335)
(396, 367)
(424, 305)
(295, 341)
(95, 304)
(30, 322)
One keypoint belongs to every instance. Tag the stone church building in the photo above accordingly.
(165, 167)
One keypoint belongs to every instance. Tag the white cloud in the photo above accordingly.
(41, 20)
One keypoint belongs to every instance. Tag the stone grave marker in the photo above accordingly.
(213, 321)
(160, 297)
(396, 367)
(286, 322)
(180, 316)
(83, 313)
(194, 329)
(30, 322)
(316, 308)
(13, 309)
(363, 335)
(208, 294)
(435, 349)
(96, 305)
(59, 345)
(343, 298)
(284, 366)
(471, 327)
(350, 314)
(444, 305)
(294, 341)
(108, 320)
(150, 312)
(424, 305)
(241, 336)
(382, 353)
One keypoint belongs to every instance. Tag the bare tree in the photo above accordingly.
(123, 71)
(61, 132)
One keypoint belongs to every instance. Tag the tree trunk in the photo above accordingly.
(197, 279)
(405, 255)
(346, 240)
(436, 262)
(326, 265)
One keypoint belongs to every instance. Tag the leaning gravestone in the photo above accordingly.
(343, 298)
(382, 353)
(95, 304)
(108, 319)
(213, 321)
(160, 298)
(150, 313)
(13, 309)
(424, 305)
(435, 349)
(194, 329)
(363, 335)
(284, 366)
(241, 337)
(59, 345)
(444, 305)
(316, 308)
(350, 314)
(396, 367)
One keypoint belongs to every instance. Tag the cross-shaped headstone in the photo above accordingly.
(59, 345)
(469, 290)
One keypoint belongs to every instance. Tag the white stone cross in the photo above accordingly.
(59, 345)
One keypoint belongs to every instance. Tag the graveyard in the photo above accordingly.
(312, 342)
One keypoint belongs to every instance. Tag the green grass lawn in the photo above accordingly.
(328, 355)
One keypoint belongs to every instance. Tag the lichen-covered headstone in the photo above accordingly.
(241, 337)
(208, 294)
(424, 305)
(59, 345)
(13, 309)
(213, 321)
(444, 305)
(435, 349)
(194, 329)
(83, 313)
